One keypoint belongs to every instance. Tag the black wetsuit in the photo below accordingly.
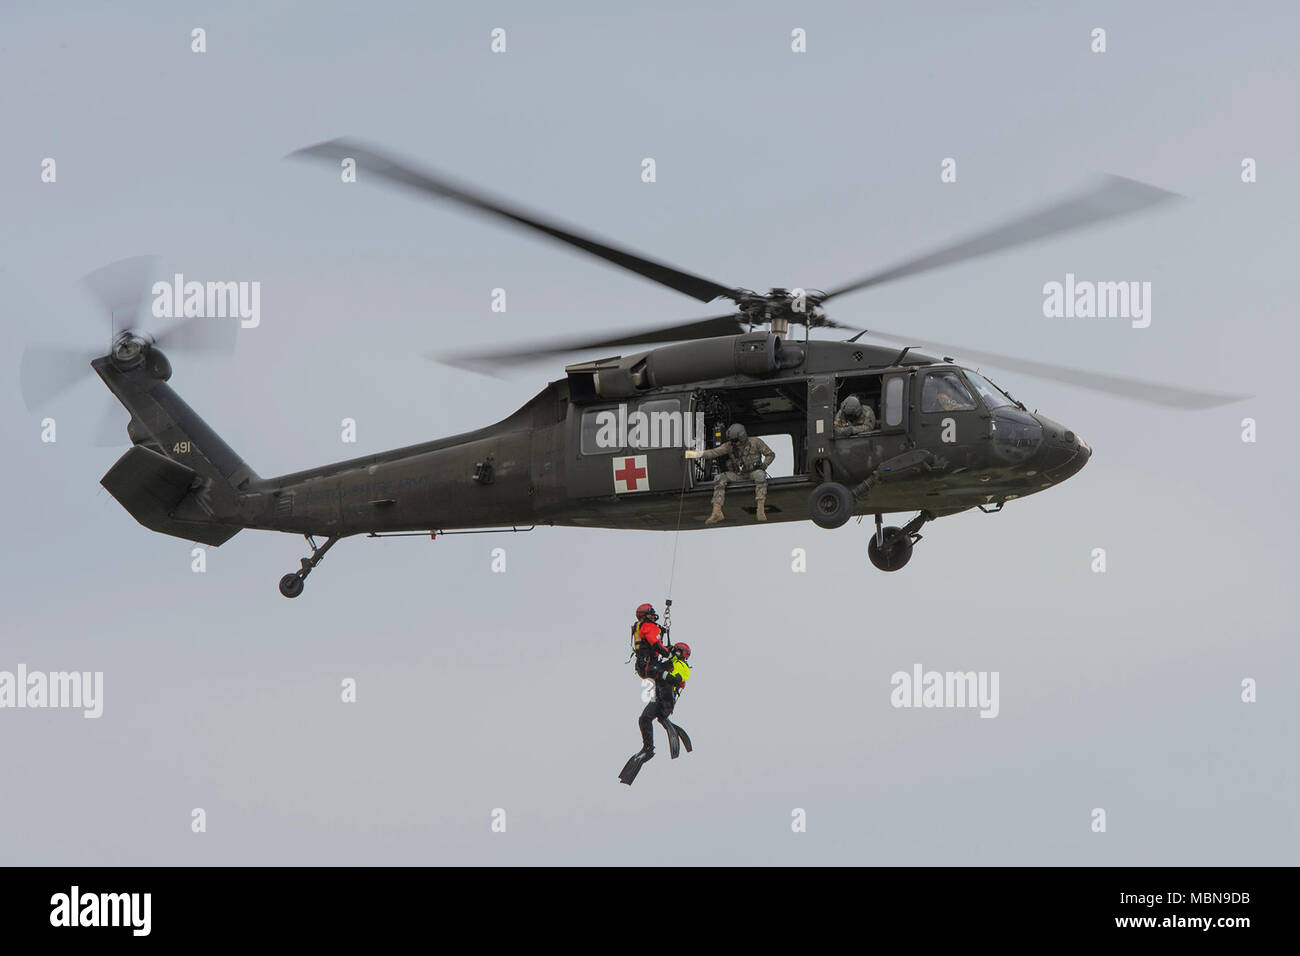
(667, 687)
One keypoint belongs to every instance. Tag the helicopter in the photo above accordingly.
(945, 439)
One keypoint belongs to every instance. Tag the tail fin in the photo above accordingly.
(179, 478)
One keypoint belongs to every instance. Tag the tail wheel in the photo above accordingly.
(896, 552)
(291, 585)
(830, 505)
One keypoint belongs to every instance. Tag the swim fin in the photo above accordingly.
(686, 740)
(633, 766)
(674, 742)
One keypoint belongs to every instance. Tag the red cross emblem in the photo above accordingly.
(630, 474)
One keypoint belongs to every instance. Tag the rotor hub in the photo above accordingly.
(779, 308)
(128, 349)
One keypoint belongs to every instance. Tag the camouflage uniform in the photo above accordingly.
(749, 460)
(849, 424)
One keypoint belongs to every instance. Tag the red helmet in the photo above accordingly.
(682, 650)
(646, 612)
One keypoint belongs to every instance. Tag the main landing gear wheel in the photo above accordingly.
(291, 585)
(895, 553)
(830, 505)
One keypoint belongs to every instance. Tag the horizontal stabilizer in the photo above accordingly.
(151, 487)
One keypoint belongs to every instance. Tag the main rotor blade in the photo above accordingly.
(395, 171)
(1112, 198)
(1152, 393)
(699, 329)
(46, 372)
(121, 288)
(825, 323)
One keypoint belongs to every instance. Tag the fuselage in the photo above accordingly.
(544, 465)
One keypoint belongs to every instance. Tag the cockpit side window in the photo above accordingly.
(944, 391)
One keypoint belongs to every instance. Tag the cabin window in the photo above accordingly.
(600, 431)
(894, 402)
(945, 392)
(658, 424)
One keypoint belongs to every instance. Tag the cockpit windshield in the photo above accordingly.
(993, 396)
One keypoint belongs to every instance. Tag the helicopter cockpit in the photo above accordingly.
(1015, 433)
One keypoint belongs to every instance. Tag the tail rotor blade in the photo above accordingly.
(214, 336)
(46, 372)
(122, 287)
(110, 430)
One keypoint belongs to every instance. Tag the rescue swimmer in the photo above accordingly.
(664, 663)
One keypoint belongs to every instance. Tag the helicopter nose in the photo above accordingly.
(1064, 450)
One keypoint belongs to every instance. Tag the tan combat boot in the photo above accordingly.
(760, 512)
(716, 516)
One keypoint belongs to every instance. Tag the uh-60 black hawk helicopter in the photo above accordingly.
(975, 446)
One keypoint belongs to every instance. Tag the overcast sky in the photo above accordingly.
(481, 690)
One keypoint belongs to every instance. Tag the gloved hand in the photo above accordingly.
(692, 453)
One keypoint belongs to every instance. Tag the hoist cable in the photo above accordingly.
(681, 501)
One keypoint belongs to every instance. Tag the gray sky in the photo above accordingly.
(479, 690)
